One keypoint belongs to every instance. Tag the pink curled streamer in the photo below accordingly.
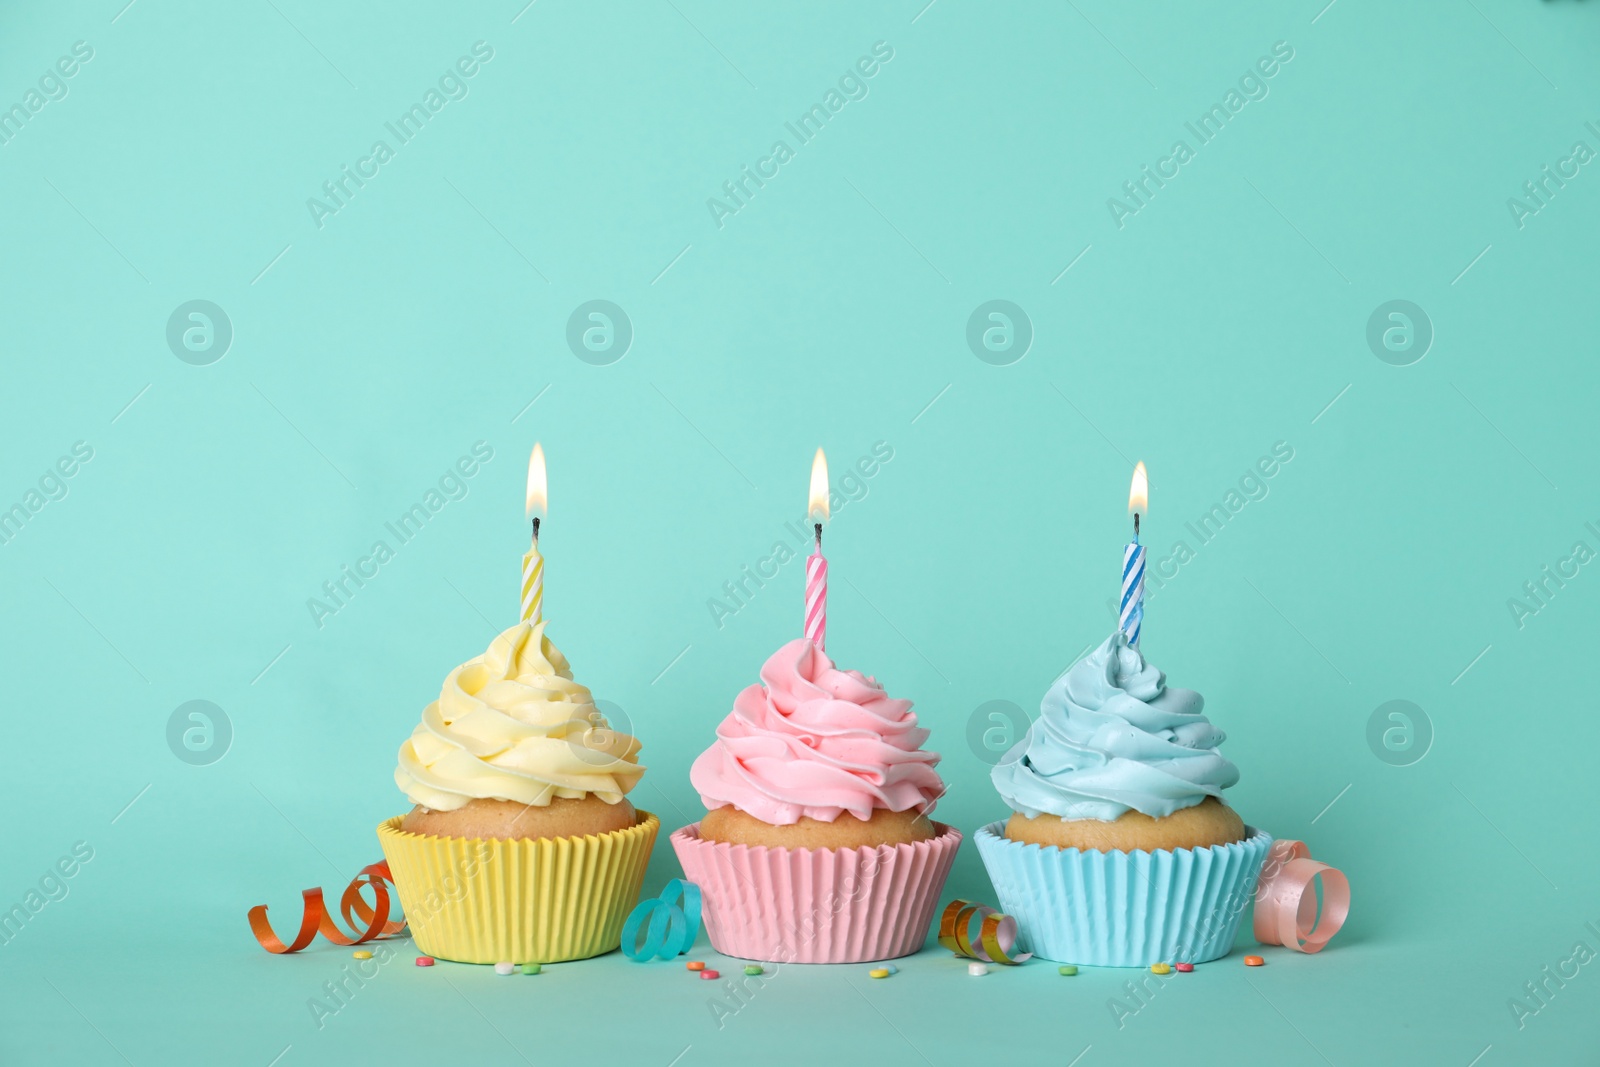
(1286, 900)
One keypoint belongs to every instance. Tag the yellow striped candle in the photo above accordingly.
(533, 562)
(533, 582)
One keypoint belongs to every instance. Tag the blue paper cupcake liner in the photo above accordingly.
(1124, 909)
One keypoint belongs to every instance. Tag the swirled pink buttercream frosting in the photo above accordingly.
(813, 741)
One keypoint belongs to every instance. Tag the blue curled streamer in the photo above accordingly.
(672, 928)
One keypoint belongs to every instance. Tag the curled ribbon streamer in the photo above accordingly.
(315, 918)
(672, 928)
(997, 935)
(1286, 902)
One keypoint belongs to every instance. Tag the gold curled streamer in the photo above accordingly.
(996, 933)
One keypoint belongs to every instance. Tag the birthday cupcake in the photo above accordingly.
(522, 846)
(1120, 850)
(817, 846)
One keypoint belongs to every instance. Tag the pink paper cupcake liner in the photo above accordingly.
(818, 905)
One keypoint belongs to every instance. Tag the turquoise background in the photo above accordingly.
(1227, 315)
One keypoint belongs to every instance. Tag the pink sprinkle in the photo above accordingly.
(1185, 967)
(424, 961)
(708, 974)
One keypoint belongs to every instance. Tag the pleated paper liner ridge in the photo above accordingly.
(472, 900)
(822, 905)
(1124, 909)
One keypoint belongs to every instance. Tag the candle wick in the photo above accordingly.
(818, 527)
(536, 528)
(1135, 527)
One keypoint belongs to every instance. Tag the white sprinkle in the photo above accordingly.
(505, 968)
(977, 970)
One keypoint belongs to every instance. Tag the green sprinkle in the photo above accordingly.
(752, 968)
(530, 968)
(1069, 970)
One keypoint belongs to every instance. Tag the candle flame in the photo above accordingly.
(538, 494)
(1139, 492)
(817, 511)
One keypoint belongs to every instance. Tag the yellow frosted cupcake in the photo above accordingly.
(522, 846)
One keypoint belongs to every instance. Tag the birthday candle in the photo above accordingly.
(533, 562)
(533, 581)
(816, 564)
(817, 598)
(1130, 617)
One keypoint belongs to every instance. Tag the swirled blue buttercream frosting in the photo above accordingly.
(1111, 737)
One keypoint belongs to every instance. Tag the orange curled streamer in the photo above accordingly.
(352, 905)
(997, 934)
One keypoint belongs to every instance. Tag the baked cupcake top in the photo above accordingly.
(1112, 737)
(812, 741)
(511, 724)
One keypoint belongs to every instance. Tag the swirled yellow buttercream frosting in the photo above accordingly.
(511, 724)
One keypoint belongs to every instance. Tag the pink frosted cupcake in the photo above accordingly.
(817, 846)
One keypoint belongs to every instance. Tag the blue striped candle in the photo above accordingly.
(1131, 616)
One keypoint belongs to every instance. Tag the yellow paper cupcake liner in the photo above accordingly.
(471, 900)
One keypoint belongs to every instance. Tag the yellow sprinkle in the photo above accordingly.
(878, 972)
(363, 955)
(1161, 968)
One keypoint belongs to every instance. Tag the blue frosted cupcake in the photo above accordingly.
(1120, 851)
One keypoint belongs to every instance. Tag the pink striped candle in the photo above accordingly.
(817, 596)
(816, 564)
